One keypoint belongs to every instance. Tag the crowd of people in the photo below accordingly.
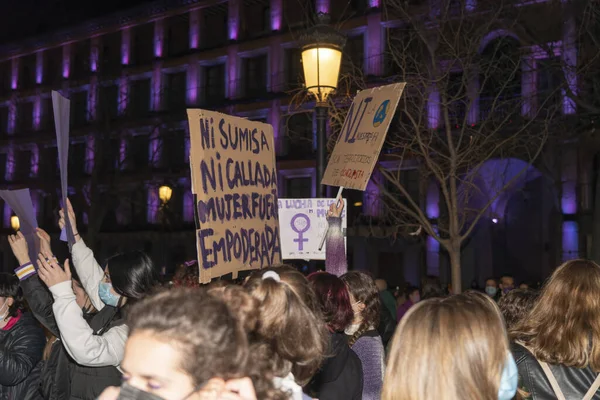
(81, 330)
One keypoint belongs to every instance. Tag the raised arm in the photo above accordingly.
(89, 271)
(77, 336)
(37, 295)
(335, 250)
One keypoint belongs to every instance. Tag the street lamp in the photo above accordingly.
(321, 61)
(15, 224)
(164, 194)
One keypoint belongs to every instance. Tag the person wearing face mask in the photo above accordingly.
(491, 288)
(61, 376)
(363, 337)
(507, 283)
(22, 343)
(451, 348)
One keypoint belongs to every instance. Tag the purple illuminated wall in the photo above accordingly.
(433, 108)
(231, 65)
(66, 63)
(569, 182)
(276, 14)
(322, 6)
(159, 37)
(125, 45)
(156, 88)
(10, 163)
(192, 82)
(195, 18)
(35, 161)
(89, 154)
(14, 80)
(371, 198)
(123, 89)
(569, 54)
(432, 247)
(122, 153)
(373, 41)
(570, 240)
(234, 19)
(94, 53)
(91, 105)
(188, 206)
(7, 215)
(37, 112)
(153, 204)
(39, 67)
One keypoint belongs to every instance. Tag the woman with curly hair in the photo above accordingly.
(363, 336)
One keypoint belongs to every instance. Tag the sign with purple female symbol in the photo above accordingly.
(302, 222)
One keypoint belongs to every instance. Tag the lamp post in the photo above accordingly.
(321, 61)
(15, 224)
(164, 194)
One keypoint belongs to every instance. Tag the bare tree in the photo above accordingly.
(468, 101)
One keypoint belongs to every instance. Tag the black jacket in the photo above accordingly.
(341, 376)
(387, 325)
(574, 382)
(21, 349)
(61, 377)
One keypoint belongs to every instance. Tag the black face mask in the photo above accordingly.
(129, 392)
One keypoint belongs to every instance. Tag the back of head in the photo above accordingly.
(290, 321)
(431, 288)
(334, 299)
(9, 287)
(363, 289)
(187, 275)
(133, 274)
(559, 327)
(516, 304)
(211, 341)
(447, 349)
(381, 284)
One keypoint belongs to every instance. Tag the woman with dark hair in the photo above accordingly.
(558, 341)
(363, 336)
(341, 375)
(61, 376)
(192, 344)
(22, 343)
(126, 278)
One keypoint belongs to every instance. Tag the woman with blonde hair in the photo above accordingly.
(450, 349)
(558, 343)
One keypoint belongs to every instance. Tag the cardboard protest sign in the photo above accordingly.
(361, 139)
(234, 180)
(302, 223)
(61, 106)
(20, 202)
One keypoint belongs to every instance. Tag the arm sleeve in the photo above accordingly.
(89, 272)
(18, 359)
(38, 297)
(77, 336)
(335, 251)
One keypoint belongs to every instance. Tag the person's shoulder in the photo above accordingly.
(519, 352)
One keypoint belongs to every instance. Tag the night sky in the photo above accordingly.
(21, 19)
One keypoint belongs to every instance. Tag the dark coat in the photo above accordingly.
(21, 349)
(574, 382)
(61, 377)
(341, 376)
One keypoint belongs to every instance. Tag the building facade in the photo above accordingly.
(130, 78)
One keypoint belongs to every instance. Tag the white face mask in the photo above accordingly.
(351, 329)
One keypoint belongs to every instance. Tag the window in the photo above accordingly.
(139, 97)
(549, 81)
(23, 165)
(456, 98)
(24, 117)
(294, 73)
(138, 152)
(79, 113)
(409, 179)
(5, 76)
(139, 207)
(50, 163)
(214, 27)
(80, 63)
(176, 91)
(173, 154)
(27, 72)
(298, 188)
(47, 117)
(3, 160)
(354, 54)
(255, 76)
(77, 153)
(296, 12)
(177, 34)
(108, 102)
(298, 134)
(4, 112)
(53, 66)
(214, 83)
(110, 56)
(112, 152)
(256, 18)
(142, 40)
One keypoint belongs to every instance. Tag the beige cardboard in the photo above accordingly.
(234, 180)
(361, 139)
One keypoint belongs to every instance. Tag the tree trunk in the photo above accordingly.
(455, 270)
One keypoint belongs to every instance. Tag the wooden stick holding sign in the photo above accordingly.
(338, 198)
